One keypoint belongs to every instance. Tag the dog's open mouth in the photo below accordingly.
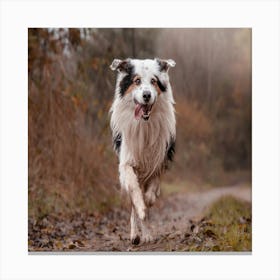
(142, 111)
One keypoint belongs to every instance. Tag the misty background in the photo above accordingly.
(71, 162)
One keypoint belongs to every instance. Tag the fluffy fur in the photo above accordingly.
(143, 133)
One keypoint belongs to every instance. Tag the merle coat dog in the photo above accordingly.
(144, 130)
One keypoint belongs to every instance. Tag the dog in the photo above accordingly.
(143, 127)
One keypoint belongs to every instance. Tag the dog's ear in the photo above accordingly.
(120, 65)
(165, 64)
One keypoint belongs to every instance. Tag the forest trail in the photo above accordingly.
(172, 220)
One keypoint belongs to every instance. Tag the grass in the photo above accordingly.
(226, 227)
(44, 202)
(232, 220)
(169, 188)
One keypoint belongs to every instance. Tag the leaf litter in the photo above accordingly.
(177, 227)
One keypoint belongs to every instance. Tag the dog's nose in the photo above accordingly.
(146, 96)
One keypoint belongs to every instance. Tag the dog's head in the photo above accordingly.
(142, 82)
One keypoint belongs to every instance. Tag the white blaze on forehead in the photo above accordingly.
(145, 68)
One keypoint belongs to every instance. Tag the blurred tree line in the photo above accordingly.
(213, 84)
(70, 90)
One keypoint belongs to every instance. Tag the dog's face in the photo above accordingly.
(141, 82)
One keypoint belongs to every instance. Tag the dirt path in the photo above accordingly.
(171, 220)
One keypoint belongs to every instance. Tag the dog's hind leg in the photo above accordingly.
(129, 180)
(146, 234)
(152, 192)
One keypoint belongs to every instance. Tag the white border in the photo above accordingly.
(262, 16)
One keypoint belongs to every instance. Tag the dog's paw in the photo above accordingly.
(147, 237)
(135, 240)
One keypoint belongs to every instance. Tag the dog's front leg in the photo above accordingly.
(134, 234)
(129, 180)
(135, 222)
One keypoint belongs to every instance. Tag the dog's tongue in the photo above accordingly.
(138, 113)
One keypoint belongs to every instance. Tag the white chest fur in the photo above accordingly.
(144, 143)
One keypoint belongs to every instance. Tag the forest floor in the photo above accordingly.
(217, 219)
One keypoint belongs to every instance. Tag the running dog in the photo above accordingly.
(144, 129)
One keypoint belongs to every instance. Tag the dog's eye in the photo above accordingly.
(153, 81)
(138, 81)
